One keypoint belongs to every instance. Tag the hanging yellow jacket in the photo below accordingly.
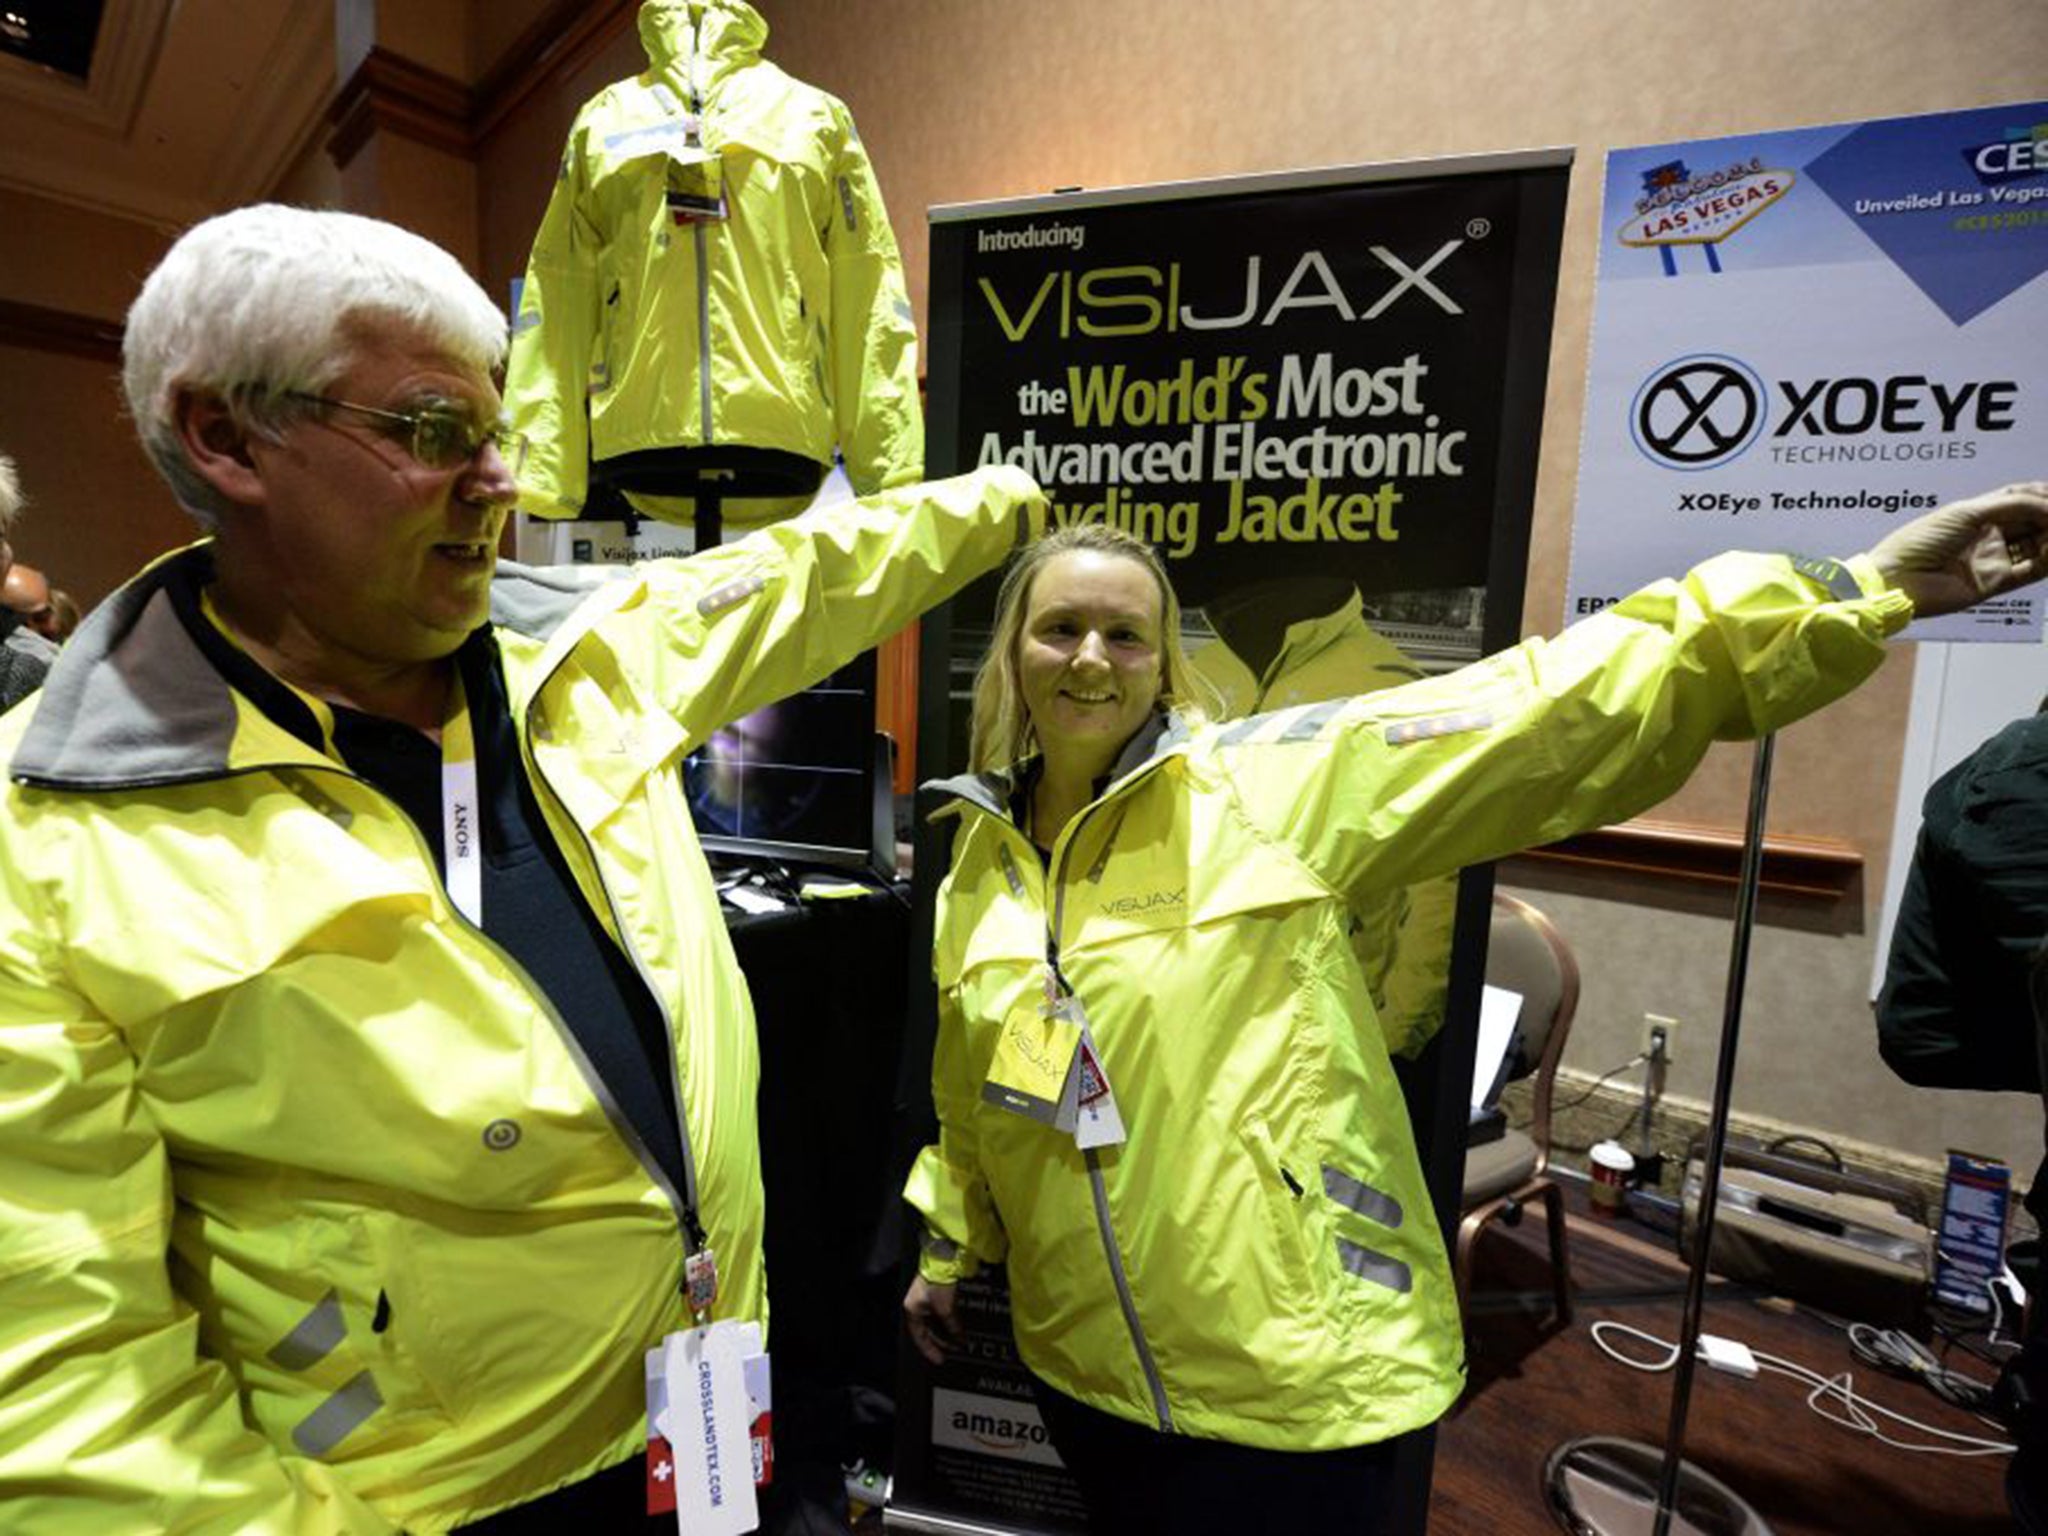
(784, 324)
(1402, 937)
(313, 1215)
(1259, 1261)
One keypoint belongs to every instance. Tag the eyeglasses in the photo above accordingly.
(442, 436)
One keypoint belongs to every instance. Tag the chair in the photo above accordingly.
(1525, 954)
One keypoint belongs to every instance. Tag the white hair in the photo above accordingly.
(255, 304)
(10, 495)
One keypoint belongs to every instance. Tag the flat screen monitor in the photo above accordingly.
(803, 781)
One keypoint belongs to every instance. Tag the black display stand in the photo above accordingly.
(828, 1074)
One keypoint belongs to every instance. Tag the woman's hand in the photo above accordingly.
(928, 1313)
(1961, 554)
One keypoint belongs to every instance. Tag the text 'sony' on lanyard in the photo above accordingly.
(462, 844)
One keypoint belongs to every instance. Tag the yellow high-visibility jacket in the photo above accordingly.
(313, 1215)
(783, 325)
(1259, 1261)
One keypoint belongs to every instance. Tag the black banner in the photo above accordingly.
(1319, 397)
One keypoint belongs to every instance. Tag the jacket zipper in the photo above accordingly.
(1096, 1185)
(692, 1220)
(702, 244)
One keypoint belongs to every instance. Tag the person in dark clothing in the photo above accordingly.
(24, 655)
(1965, 1000)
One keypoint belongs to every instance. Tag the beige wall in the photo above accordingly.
(96, 509)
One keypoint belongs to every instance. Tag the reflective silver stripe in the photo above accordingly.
(1401, 732)
(1832, 574)
(728, 594)
(1310, 722)
(1376, 1267)
(1160, 1408)
(903, 311)
(1108, 842)
(1237, 730)
(940, 1247)
(328, 1425)
(315, 1336)
(1010, 872)
(1362, 1198)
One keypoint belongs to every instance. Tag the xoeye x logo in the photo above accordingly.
(1698, 412)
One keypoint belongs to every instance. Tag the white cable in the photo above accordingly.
(1859, 1411)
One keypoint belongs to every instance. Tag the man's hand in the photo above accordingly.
(928, 1313)
(1958, 555)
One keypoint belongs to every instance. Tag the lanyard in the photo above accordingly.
(462, 846)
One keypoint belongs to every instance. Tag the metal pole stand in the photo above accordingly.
(1599, 1485)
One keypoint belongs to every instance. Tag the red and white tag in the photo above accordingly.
(1097, 1122)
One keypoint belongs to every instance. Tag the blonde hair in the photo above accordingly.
(1002, 734)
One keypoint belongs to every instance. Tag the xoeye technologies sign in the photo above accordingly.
(1803, 338)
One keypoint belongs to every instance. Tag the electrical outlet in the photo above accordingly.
(1658, 1037)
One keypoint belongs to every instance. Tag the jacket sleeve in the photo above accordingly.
(1414, 967)
(112, 1417)
(719, 634)
(1552, 737)
(872, 348)
(1954, 1011)
(554, 343)
(961, 1229)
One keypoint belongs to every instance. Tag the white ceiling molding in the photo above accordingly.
(123, 60)
(193, 106)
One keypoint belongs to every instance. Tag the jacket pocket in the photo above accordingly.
(1287, 1213)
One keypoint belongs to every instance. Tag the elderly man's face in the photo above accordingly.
(376, 554)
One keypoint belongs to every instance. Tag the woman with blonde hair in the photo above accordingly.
(1163, 1097)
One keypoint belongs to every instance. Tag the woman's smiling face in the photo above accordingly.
(1088, 658)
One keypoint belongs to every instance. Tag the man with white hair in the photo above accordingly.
(376, 1080)
(24, 655)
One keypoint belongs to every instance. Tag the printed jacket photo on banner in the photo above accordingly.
(1259, 1261)
(419, 1244)
(715, 269)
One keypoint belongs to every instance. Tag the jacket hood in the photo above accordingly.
(725, 34)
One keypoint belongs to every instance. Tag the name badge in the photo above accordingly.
(705, 1415)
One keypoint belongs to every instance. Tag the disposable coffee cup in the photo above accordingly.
(1611, 1164)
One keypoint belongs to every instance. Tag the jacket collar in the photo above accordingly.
(991, 791)
(133, 701)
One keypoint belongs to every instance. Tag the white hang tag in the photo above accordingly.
(707, 1425)
(1097, 1122)
(462, 843)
